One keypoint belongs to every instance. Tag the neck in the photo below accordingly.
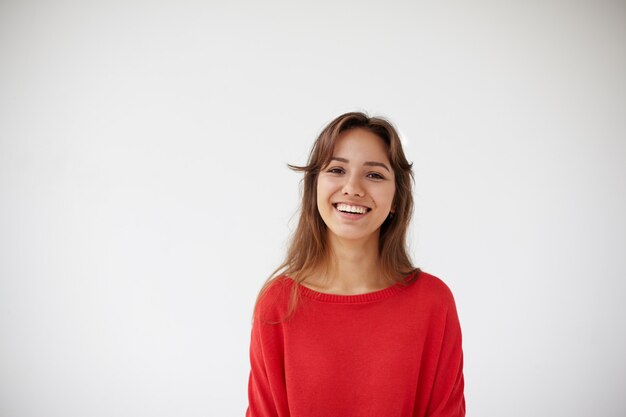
(353, 268)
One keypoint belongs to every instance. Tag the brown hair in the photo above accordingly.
(308, 251)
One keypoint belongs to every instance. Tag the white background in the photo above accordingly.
(145, 196)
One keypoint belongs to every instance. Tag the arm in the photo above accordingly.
(447, 397)
(260, 398)
(267, 390)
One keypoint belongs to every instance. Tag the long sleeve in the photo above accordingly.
(260, 399)
(447, 397)
(267, 392)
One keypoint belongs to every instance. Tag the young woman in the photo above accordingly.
(347, 326)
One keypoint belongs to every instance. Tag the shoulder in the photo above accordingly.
(433, 299)
(432, 289)
(273, 300)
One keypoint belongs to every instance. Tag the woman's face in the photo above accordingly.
(355, 191)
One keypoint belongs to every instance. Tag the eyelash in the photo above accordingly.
(372, 175)
(336, 170)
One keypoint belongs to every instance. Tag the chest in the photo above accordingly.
(358, 355)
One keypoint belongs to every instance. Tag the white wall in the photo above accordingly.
(145, 196)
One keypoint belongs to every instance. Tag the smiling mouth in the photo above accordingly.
(347, 208)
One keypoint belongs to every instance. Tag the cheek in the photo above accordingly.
(319, 191)
(324, 188)
(389, 196)
(321, 194)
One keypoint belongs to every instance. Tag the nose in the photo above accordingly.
(352, 186)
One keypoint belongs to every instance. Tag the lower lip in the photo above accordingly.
(350, 216)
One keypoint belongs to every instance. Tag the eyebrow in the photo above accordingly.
(366, 163)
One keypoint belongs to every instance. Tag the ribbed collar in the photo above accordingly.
(357, 298)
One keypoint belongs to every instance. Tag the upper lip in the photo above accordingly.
(351, 204)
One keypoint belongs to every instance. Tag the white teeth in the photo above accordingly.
(351, 209)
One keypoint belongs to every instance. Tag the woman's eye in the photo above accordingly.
(335, 171)
(375, 175)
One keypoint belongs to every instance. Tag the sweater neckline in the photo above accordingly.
(357, 298)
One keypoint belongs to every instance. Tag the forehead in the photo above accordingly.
(360, 145)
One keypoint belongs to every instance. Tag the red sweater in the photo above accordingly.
(389, 353)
